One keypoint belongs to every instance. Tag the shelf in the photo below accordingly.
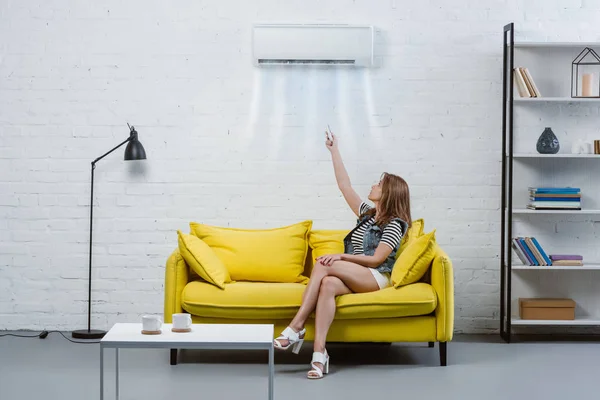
(558, 45)
(570, 212)
(588, 267)
(557, 99)
(560, 155)
(587, 321)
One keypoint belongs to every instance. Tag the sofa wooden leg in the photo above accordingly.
(173, 356)
(443, 353)
(431, 344)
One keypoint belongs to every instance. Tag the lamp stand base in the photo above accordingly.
(85, 334)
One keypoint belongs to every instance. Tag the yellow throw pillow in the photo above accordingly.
(415, 231)
(203, 260)
(414, 261)
(326, 241)
(259, 255)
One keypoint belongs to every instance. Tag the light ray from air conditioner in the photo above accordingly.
(276, 118)
(374, 131)
(255, 103)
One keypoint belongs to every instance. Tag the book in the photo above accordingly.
(555, 203)
(520, 252)
(542, 252)
(556, 257)
(573, 263)
(538, 256)
(555, 198)
(532, 207)
(520, 246)
(533, 85)
(550, 190)
(527, 83)
(520, 82)
(528, 252)
(554, 195)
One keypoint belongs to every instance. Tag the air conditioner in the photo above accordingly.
(346, 45)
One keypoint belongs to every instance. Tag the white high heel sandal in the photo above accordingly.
(295, 340)
(316, 372)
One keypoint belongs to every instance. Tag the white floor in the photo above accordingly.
(479, 368)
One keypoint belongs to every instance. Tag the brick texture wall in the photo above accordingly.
(233, 145)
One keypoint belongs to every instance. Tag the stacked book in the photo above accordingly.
(524, 83)
(554, 198)
(566, 259)
(530, 251)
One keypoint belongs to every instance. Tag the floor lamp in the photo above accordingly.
(133, 151)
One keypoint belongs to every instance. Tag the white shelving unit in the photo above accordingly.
(558, 231)
(575, 322)
(557, 99)
(554, 45)
(517, 211)
(589, 267)
(564, 155)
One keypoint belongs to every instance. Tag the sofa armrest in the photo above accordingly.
(176, 277)
(442, 280)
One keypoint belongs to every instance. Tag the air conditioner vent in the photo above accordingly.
(305, 62)
(349, 45)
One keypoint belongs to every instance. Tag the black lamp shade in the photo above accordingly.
(135, 150)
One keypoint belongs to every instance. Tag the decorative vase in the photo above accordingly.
(548, 142)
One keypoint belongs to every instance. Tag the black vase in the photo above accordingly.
(548, 142)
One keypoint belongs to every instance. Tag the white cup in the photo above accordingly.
(151, 323)
(182, 321)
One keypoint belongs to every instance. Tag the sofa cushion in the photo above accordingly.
(326, 241)
(414, 261)
(200, 257)
(268, 301)
(410, 300)
(259, 255)
(243, 300)
(413, 233)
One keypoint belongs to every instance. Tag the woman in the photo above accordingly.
(369, 256)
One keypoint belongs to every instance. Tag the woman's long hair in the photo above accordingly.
(394, 202)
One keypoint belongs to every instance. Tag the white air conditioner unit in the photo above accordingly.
(349, 45)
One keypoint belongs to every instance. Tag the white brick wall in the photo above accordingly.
(233, 145)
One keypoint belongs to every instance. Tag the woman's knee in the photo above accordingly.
(330, 285)
(319, 269)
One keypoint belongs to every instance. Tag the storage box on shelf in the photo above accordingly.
(537, 86)
(547, 309)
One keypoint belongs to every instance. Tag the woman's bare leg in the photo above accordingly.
(309, 299)
(330, 288)
(358, 279)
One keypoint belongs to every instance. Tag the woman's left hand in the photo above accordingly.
(329, 259)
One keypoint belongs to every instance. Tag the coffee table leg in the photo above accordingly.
(117, 371)
(271, 372)
(101, 373)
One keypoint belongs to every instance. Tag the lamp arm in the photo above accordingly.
(107, 153)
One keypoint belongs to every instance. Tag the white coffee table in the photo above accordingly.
(202, 336)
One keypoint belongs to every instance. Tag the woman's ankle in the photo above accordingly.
(297, 327)
(319, 348)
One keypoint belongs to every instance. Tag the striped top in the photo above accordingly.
(392, 234)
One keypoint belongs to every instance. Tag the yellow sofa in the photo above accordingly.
(418, 312)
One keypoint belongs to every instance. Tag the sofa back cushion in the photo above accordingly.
(322, 242)
(259, 255)
(413, 233)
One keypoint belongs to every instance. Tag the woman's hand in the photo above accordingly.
(331, 141)
(329, 259)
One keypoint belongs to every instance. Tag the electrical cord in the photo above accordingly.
(44, 335)
(25, 336)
